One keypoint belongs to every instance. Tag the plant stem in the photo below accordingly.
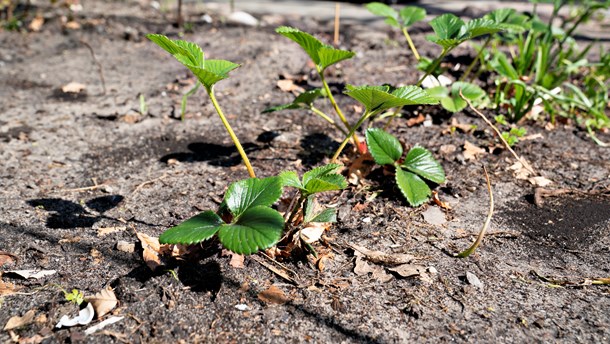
(351, 132)
(410, 42)
(477, 242)
(328, 119)
(240, 149)
(296, 209)
(337, 109)
(433, 67)
(476, 59)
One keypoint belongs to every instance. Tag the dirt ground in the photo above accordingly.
(78, 165)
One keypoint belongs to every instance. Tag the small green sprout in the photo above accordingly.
(407, 16)
(208, 72)
(419, 163)
(76, 296)
(450, 97)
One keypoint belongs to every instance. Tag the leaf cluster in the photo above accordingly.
(418, 165)
(404, 18)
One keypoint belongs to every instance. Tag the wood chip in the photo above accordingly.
(273, 295)
(383, 258)
(17, 321)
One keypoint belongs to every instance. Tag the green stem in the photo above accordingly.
(328, 119)
(476, 59)
(433, 67)
(231, 132)
(351, 132)
(410, 42)
(337, 109)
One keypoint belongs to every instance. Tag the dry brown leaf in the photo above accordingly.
(416, 120)
(152, 250)
(383, 258)
(16, 321)
(359, 168)
(313, 231)
(7, 258)
(288, 85)
(72, 25)
(36, 23)
(519, 171)
(36, 339)
(321, 263)
(439, 202)
(471, 151)
(103, 301)
(73, 87)
(107, 230)
(408, 270)
(540, 181)
(362, 267)
(273, 295)
(6, 288)
(237, 261)
(447, 149)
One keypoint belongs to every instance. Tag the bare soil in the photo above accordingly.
(75, 164)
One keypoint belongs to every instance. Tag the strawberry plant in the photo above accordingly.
(245, 222)
(411, 171)
(208, 73)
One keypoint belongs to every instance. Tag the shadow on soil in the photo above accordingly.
(67, 214)
(212, 153)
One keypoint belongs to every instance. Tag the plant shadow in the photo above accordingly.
(316, 147)
(214, 154)
(67, 214)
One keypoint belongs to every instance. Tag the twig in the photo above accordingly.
(141, 185)
(86, 188)
(477, 242)
(337, 16)
(285, 274)
(523, 162)
(98, 64)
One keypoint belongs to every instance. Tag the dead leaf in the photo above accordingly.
(36, 23)
(16, 321)
(34, 274)
(152, 250)
(434, 216)
(237, 261)
(438, 201)
(540, 181)
(103, 301)
(6, 288)
(72, 25)
(107, 230)
(125, 246)
(471, 151)
(35, 339)
(288, 85)
(7, 258)
(321, 263)
(73, 87)
(84, 317)
(362, 267)
(313, 231)
(409, 270)
(383, 258)
(273, 295)
(463, 127)
(447, 149)
(519, 171)
(416, 120)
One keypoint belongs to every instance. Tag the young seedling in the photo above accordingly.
(377, 99)
(450, 97)
(323, 56)
(418, 163)
(245, 222)
(407, 16)
(208, 72)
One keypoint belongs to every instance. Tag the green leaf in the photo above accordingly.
(448, 27)
(329, 56)
(323, 178)
(419, 160)
(258, 228)
(501, 65)
(481, 26)
(453, 104)
(326, 215)
(415, 190)
(290, 178)
(381, 9)
(208, 72)
(384, 148)
(194, 230)
(322, 55)
(377, 98)
(438, 92)
(411, 15)
(309, 43)
(304, 99)
(252, 192)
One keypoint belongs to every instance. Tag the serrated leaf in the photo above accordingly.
(309, 43)
(320, 171)
(304, 99)
(252, 192)
(377, 98)
(326, 183)
(420, 160)
(385, 148)
(196, 229)
(290, 106)
(415, 190)
(258, 228)
(481, 26)
(392, 22)
(411, 15)
(438, 92)
(327, 215)
(195, 53)
(290, 178)
(329, 56)
(381, 9)
(470, 91)
(174, 49)
(448, 26)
